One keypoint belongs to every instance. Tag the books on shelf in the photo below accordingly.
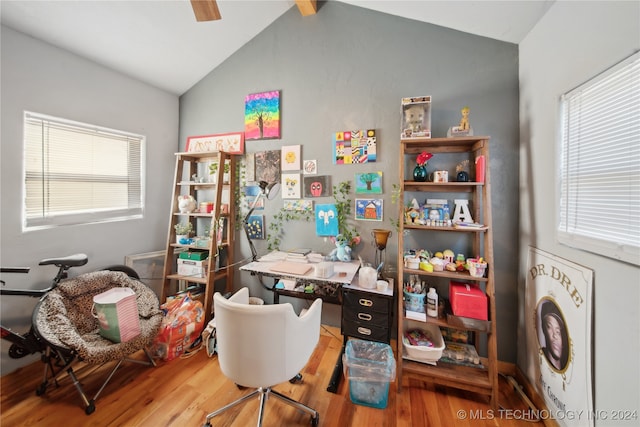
(298, 252)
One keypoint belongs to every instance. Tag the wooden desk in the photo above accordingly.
(366, 313)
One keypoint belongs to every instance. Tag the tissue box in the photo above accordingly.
(187, 267)
(468, 300)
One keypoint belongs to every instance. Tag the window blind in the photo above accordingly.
(77, 173)
(600, 164)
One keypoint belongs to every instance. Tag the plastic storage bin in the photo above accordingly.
(370, 367)
(424, 353)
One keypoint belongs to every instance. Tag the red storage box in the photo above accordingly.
(468, 300)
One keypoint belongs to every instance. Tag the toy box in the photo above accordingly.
(421, 351)
(416, 117)
(188, 267)
(194, 255)
(468, 300)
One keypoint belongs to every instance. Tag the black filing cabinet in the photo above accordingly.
(367, 314)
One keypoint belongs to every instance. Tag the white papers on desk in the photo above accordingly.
(274, 256)
(288, 284)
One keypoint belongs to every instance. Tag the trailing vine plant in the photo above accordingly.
(341, 195)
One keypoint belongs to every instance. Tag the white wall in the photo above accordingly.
(41, 78)
(572, 43)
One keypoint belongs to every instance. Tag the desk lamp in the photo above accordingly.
(380, 236)
(270, 191)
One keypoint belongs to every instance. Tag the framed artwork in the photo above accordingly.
(369, 209)
(250, 167)
(251, 192)
(232, 143)
(267, 166)
(326, 220)
(369, 183)
(255, 226)
(354, 147)
(290, 160)
(310, 167)
(317, 186)
(290, 185)
(262, 115)
(300, 205)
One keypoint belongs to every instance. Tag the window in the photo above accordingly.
(600, 164)
(75, 173)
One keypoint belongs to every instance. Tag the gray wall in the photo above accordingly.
(560, 53)
(348, 68)
(41, 78)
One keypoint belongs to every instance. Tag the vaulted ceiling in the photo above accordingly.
(161, 43)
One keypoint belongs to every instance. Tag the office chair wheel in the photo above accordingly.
(91, 408)
(315, 421)
(296, 380)
(41, 389)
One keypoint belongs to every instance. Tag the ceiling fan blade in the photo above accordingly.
(205, 10)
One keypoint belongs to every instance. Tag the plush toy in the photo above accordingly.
(342, 252)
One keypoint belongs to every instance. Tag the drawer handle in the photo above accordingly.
(364, 331)
(364, 316)
(365, 302)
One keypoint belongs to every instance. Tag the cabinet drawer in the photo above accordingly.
(364, 316)
(365, 302)
(365, 331)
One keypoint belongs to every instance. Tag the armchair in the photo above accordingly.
(260, 346)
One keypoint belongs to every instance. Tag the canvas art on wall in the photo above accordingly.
(290, 160)
(317, 186)
(369, 183)
(310, 167)
(255, 226)
(354, 147)
(369, 209)
(262, 115)
(290, 185)
(326, 220)
(300, 205)
(251, 193)
(267, 166)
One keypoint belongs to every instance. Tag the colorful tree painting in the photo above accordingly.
(262, 115)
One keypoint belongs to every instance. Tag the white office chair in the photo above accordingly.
(263, 345)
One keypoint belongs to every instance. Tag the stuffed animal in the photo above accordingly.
(342, 252)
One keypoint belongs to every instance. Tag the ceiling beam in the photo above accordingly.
(307, 7)
(205, 10)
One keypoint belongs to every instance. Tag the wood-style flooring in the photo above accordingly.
(181, 392)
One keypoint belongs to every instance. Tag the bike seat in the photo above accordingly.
(74, 260)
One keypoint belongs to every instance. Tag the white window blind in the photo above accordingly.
(600, 164)
(75, 173)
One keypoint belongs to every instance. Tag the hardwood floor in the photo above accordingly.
(181, 393)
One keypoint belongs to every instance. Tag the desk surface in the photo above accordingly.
(349, 268)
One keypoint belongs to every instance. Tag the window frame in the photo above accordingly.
(568, 230)
(49, 220)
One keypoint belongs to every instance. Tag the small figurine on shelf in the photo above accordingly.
(463, 128)
(186, 203)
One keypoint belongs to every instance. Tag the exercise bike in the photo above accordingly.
(24, 344)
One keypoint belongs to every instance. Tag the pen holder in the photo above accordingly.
(414, 302)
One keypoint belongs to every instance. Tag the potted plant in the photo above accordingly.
(213, 169)
(183, 229)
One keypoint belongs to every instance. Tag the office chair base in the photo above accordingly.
(264, 393)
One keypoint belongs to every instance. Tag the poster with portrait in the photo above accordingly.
(558, 307)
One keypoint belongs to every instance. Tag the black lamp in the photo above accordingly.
(268, 190)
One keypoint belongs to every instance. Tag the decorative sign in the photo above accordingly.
(232, 143)
(354, 147)
(262, 115)
(558, 304)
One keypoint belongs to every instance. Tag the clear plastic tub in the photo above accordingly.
(370, 367)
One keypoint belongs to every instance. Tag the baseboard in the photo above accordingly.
(510, 369)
